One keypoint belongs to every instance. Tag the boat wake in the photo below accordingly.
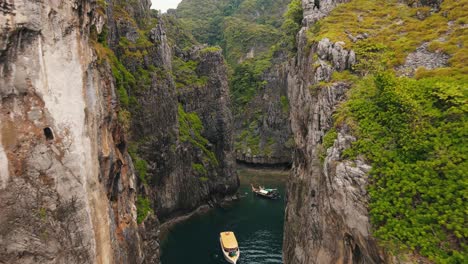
(260, 248)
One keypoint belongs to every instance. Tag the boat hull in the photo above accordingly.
(266, 197)
(271, 195)
(226, 254)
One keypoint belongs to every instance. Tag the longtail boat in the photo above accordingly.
(266, 193)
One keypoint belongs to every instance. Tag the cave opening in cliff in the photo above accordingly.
(48, 133)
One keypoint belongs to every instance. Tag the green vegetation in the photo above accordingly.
(242, 37)
(247, 80)
(414, 132)
(124, 80)
(394, 30)
(329, 139)
(143, 205)
(211, 49)
(125, 119)
(284, 103)
(141, 167)
(250, 32)
(208, 19)
(203, 179)
(199, 169)
(185, 73)
(191, 129)
(292, 23)
(250, 139)
(43, 213)
(177, 34)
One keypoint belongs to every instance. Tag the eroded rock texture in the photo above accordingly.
(326, 214)
(180, 188)
(265, 121)
(183, 172)
(67, 185)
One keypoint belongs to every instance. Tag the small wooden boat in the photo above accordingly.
(229, 246)
(266, 193)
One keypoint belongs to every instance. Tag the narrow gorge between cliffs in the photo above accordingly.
(257, 223)
(132, 136)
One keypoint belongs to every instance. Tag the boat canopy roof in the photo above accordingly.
(229, 240)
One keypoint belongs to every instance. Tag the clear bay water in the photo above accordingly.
(257, 223)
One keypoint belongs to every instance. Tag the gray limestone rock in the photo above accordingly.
(339, 57)
(266, 118)
(67, 184)
(422, 57)
(326, 217)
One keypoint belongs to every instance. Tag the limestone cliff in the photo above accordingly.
(328, 208)
(180, 125)
(67, 184)
(263, 132)
(326, 215)
(97, 139)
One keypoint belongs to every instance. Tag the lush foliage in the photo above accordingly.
(414, 132)
(292, 22)
(237, 25)
(329, 138)
(143, 205)
(394, 29)
(247, 80)
(251, 33)
(177, 34)
(249, 139)
(141, 167)
(185, 73)
(243, 37)
(191, 129)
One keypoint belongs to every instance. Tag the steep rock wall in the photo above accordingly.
(68, 187)
(185, 187)
(184, 169)
(326, 214)
(262, 128)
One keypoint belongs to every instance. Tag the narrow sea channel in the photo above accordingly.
(257, 223)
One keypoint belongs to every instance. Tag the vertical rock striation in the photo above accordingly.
(326, 217)
(184, 186)
(72, 74)
(179, 176)
(262, 128)
(68, 187)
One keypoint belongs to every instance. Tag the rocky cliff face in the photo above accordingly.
(326, 215)
(82, 85)
(263, 133)
(203, 168)
(327, 212)
(181, 123)
(67, 184)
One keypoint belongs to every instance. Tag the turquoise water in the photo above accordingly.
(257, 223)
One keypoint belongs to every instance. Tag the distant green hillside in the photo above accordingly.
(250, 32)
(237, 25)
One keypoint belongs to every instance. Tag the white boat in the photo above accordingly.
(266, 193)
(229, 246)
